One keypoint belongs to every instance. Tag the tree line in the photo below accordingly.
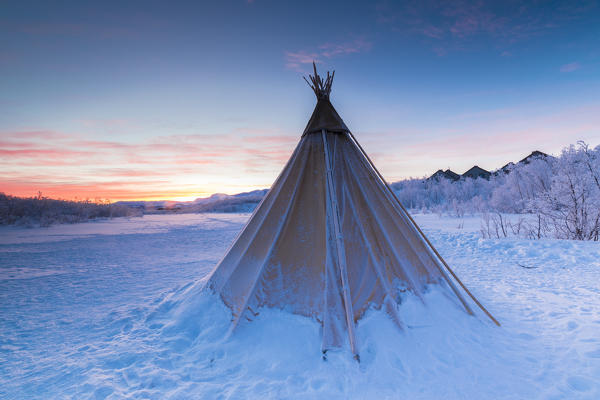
(43, 211)
(555, 197)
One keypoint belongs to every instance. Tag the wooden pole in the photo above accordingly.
(339, 245)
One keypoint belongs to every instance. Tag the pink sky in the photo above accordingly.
(185, 167)
(168, 167)
(104, 100)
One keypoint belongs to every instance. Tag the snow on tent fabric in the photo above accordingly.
(330, 239)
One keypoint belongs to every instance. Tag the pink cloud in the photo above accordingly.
(104, 190)
(41, 134)
(124, 172)
(297, 60)
(39, 160)
(26, 154)
(272, 139)
(331, 50)
(574, 66)
(433, 31)
(109, 125)
(456, 23)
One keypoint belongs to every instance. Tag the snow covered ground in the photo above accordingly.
(109, 309)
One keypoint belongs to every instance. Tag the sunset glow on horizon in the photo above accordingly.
(108, 101)
(165, 168)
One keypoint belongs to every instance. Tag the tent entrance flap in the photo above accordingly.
(340, 260)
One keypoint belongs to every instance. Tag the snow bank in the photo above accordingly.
(112, 314)
(147, 224)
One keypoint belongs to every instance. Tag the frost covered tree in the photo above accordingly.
(562, 194)
(465, 196)
(43, 211)
(514, 191)
(571, 205)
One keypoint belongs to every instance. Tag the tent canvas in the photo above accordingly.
(330, 239)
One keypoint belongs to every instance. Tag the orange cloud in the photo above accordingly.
(176, 166)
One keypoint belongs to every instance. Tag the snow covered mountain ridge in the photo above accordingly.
(478, 172)
(218, 202)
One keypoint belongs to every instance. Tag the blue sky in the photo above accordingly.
(131, 100)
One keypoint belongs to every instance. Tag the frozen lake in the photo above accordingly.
(108, 309)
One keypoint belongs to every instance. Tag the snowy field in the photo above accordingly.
(109, 309)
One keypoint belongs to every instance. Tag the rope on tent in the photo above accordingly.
(422, 234)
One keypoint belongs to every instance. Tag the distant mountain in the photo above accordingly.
(213, 198)
(478, 172)
(218, 202)
(447, 174)
(534, 155)
(506, 169)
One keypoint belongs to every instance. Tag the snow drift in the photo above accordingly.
(114, 309)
